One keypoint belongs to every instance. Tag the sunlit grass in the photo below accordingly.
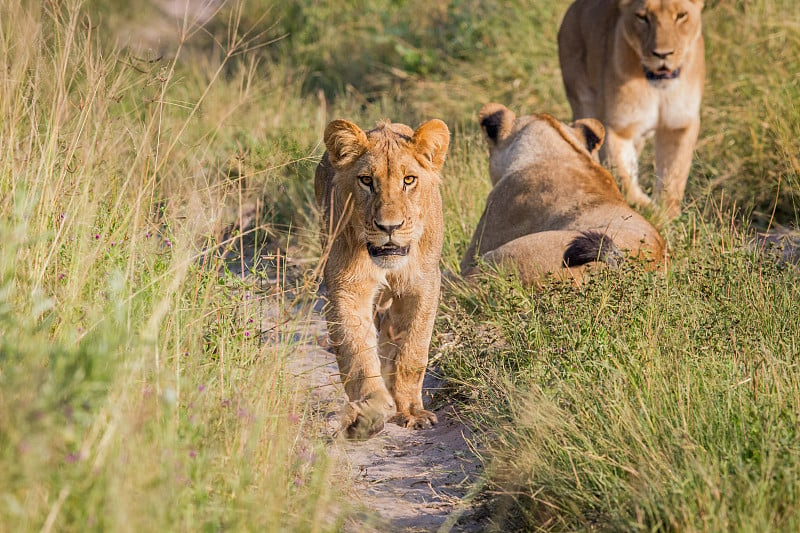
(136, 390)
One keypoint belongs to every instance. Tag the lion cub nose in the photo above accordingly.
(388, 228)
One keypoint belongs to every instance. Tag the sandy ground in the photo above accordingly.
(402, 480)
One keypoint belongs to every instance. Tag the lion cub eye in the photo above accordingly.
(409, 180)
(366, 181)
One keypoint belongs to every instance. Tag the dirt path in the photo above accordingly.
(403, 480)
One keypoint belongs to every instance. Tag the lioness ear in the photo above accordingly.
(345, 142)
(431, 141)
(591, 132)
(496, 121)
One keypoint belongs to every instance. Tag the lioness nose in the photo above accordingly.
(663, 54)
(388, 228)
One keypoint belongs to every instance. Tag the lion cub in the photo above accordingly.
(378, 192)
(553, 208)
(639, 67)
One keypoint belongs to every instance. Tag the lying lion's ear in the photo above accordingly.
(591, 132)
(496, 121)
(345, 142)
(431, 141)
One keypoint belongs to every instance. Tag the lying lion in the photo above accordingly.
(553, 208)
(382, 227)
(638, 66)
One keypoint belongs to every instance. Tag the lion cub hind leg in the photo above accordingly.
(404, 341)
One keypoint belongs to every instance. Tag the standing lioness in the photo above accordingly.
(382, 226)
(639, 67)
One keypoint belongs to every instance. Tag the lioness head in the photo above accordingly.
(390, 174)
(517, 142)
(661, 32)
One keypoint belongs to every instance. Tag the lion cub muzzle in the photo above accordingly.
(389, 247)
(384, 243)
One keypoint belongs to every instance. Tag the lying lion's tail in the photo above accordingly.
(592, 246)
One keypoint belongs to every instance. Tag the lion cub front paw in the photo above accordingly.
(364, 419)
(416, 419)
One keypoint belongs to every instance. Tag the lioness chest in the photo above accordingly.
(638, 108)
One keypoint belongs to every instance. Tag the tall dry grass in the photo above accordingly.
(136, 390)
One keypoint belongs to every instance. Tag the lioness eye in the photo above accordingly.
(680, 16)
(642, 17)
(366, 180)
(409, 180)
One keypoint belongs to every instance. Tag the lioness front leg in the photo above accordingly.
(622, 156)
(354, 338)
(404, 342)
(674, 149)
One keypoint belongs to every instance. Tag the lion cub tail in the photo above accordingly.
(592, 246)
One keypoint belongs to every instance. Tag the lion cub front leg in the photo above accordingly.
(354, 338)
(623, 156)
(405, 338)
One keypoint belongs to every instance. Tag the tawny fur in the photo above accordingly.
(605, 48)
(549, 192)
(381, 310)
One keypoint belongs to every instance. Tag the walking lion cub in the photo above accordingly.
(382, 226)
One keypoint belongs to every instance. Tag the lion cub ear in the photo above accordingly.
(345, 142)
(591, 132)
(431, 140)
(496, 121)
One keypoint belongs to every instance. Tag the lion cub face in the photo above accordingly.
(390, 174)
(661, 31)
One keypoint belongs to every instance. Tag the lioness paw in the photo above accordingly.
(416, 419)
